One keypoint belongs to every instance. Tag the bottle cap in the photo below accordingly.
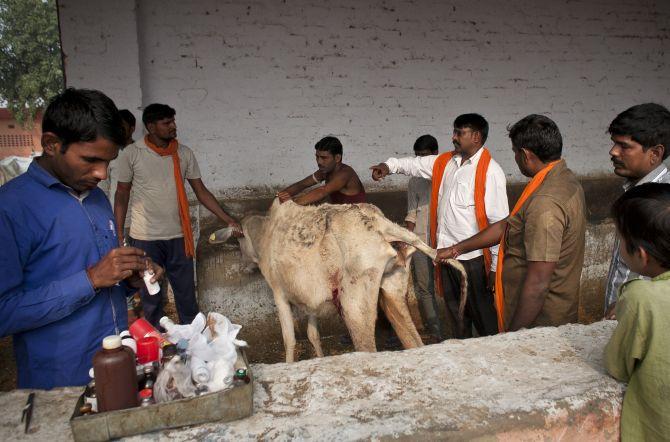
(147, 350)
(125, 334)
(165, 321)
(91, 373)
(111, 342)
(146, 393)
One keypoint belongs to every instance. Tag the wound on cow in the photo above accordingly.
(334, 280)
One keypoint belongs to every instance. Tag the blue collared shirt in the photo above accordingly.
(49, 236)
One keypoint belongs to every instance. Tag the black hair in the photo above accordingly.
(128, 117)
(426, 142)
(475, 122)
(330, 144)
(647, 124)
(642, 218)
(540, 135)
(156, 112)
(83, 115)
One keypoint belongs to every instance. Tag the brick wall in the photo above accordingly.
(257, 83)
(16, 140)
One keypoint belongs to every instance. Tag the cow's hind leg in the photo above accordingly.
(359, 308)
(313, 334)
(393, 302)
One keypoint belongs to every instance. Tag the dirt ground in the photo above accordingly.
(273, 352)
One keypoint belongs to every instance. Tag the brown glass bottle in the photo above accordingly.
(115, 376)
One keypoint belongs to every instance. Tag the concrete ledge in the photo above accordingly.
(541, 384)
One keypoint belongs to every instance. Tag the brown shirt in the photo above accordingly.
(550, 227)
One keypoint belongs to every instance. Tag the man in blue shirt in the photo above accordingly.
(63, 278)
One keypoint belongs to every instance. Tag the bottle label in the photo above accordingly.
(93, 402)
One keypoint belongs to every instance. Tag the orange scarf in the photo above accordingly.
(184, 214)
(480, 205)
(530, 188)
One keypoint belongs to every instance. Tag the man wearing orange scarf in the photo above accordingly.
(155, 167)
(542, 247)
(468, 192)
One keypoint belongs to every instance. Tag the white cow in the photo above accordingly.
(316, 256)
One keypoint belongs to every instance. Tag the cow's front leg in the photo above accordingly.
(313, 334)
(286, 322)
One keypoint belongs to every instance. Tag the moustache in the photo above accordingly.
(616, 162)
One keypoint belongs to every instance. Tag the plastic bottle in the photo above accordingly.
(149, 377)
(152, 287)
(169, 352)
(90, 397)
(221, 235)
(142, 328)
(128, 341)
(146, 397)
(115, 375)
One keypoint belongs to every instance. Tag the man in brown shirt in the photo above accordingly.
(544, 240)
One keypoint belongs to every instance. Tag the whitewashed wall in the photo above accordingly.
(257, 83)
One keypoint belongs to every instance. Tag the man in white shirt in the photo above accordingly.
(454, 177)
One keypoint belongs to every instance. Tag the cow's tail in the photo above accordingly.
(456, 264)
(393, 232)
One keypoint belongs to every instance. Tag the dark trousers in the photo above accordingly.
(479, 308)
(169, 254)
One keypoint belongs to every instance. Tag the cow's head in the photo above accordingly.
(252, 226)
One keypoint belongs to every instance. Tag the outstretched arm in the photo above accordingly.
(209, 201)
(339, 180)
(486, 238)
(295, 188)
(421, 167)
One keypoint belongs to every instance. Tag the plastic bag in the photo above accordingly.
(174, 382)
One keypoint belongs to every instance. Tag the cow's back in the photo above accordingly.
(309, 250)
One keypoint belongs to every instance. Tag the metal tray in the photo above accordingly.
(226, 405)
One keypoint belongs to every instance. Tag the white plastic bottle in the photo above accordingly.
(152, 287)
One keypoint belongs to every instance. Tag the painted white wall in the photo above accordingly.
(100, 47)
(257, 83)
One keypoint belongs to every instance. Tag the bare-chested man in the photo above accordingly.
(342, 183)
